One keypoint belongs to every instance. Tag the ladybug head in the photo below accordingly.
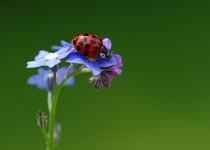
(104, 52)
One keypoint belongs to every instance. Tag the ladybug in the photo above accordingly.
(90, 46)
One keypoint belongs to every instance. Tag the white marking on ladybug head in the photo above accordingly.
(102, 55)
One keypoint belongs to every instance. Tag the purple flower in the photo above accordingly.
(45, 58)
(93, 65)
(107, 74)
(116, 68)
(43, 79)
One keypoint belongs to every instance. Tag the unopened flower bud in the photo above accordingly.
(106, 78)
(85, 70)
(41, 120)
(96, 82)
(57, 133)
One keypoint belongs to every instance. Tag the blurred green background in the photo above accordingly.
(160, 102)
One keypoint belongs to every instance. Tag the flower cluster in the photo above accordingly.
(97, 59)
(103, 69)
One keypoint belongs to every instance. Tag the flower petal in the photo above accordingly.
(117, 59)
(55, 47)
(93, 66)
(38, 80)
(65, 51)
(52, 63)
(61, 73)
(107, 43)
(34, 64)
(42, 71)
(41, 55)
(64, 43)
(116, 71)
(76, 58)
(105, 62)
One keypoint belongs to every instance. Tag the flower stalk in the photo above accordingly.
(52, 111)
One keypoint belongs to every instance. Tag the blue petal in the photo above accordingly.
(65, 51)
(63, 55)
(62, 50)
(43, 71)
(38, 80)
(61, 73)
(105, 62)
(36, 63)
(64, 43)
(54, 47)
(52, 63)
(76, 58)
(41, 55)
(93, 66)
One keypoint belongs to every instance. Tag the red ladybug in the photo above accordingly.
(89, 45)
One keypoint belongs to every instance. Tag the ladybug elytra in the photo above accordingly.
(89, 45)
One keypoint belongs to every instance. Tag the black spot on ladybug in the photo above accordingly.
(86, 53)
(74, 41)
(80, 43)
(94, 36)
(93, 41)
(78, 48)
(99, 43)
(86, 34)
(84, 39)
(100, 40)
(95, 52)
(87, 46)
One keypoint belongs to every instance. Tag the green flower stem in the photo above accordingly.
(51, 145)
(43, 130)
(54, 70)
(49, 100)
